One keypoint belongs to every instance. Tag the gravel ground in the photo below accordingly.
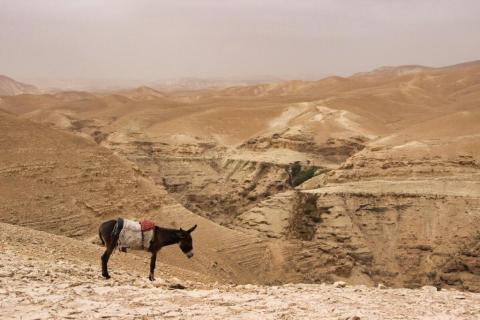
(34, 288)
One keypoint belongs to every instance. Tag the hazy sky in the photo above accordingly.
(148, 40)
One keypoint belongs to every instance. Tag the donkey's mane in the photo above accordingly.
(167, 229)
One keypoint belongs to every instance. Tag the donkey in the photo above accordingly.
(161, 237)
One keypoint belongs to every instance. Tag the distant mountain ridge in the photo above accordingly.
(193, 83)
(11, 87)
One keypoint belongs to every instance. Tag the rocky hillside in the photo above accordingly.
(371, 178)
(66, 185)
(10, 87)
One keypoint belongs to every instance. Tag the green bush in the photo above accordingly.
(303, 176)
(297, 176)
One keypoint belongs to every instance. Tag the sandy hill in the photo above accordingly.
(10, 87)
(394, 155)
(387, 99)
(142, 93)
(66, 185)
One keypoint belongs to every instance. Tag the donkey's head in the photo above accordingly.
(186, 242)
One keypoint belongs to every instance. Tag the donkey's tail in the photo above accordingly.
(117, 228)
(100, 236)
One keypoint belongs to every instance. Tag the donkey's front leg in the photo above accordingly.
(153, 260)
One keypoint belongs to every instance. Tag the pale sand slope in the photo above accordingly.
(37, 282)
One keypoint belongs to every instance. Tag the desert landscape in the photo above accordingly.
(299, 189)
(324, 156)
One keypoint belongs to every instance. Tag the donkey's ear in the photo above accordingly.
(191, 229)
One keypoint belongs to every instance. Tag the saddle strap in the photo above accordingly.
(143, 237)
(116, 231)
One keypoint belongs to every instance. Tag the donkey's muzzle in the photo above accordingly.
(189, 254)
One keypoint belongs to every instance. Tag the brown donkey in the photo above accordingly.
(161, 237)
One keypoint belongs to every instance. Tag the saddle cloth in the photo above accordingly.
(147, 225)
(132, 237)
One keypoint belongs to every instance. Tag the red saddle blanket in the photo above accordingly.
(147, 225)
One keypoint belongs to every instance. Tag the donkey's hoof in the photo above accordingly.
(151, 278)
(106, 276)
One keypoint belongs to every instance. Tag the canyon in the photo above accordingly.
(368, 179)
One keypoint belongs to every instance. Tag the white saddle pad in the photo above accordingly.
(131, 236)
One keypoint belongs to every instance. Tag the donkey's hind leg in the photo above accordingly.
(105, 258)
